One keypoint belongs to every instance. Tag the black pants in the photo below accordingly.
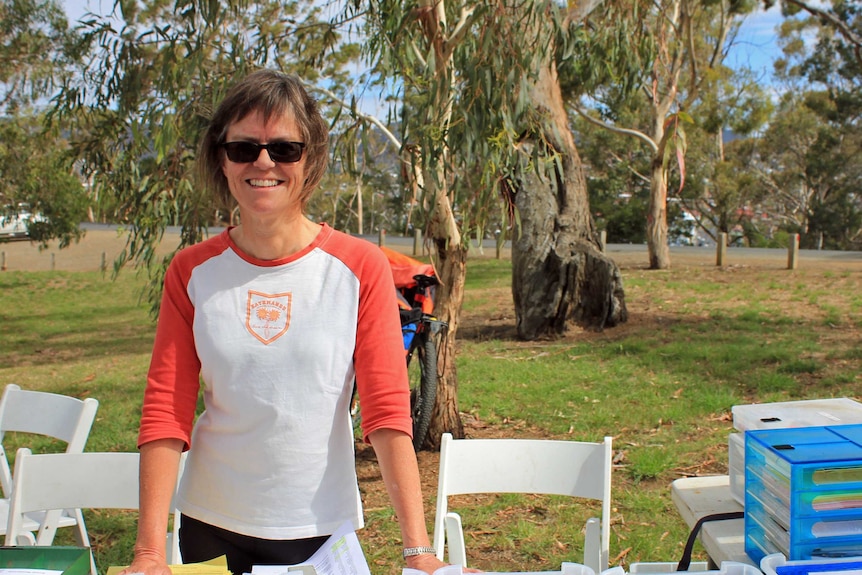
(201, 542)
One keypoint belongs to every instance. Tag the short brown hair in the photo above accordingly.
(272, 94)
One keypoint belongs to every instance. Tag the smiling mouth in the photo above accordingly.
(264, 183)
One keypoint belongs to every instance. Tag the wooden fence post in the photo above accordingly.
(721, 249)
(417, 241)
(793, 252)
(381, 237)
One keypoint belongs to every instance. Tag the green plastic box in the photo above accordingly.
(69, 560)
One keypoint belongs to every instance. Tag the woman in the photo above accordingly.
(276, 317)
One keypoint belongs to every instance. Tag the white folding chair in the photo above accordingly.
(91, 480)
(535, 466)
(61, 417)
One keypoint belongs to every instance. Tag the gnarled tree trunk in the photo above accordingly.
(559, 273)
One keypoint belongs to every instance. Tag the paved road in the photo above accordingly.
(105, 243)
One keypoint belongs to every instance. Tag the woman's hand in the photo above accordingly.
(429, 563)
(425, 562)
(147, 564)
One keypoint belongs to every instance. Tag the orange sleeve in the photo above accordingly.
(381, 372)
(173, 379)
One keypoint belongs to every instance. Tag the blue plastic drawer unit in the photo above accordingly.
(803, 492)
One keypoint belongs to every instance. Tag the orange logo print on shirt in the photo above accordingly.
(267, 316)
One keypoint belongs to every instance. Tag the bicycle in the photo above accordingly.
(420, 330)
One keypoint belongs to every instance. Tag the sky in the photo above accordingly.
(756, 44)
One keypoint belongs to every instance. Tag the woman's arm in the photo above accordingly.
(400, 473)
(160, 461)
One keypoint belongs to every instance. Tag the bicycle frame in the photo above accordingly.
(426, 324)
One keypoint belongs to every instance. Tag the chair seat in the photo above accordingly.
(33, 520)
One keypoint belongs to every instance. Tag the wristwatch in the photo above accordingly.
(413, 551)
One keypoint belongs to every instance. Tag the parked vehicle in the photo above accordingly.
(15, 223)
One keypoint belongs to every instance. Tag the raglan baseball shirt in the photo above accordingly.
(276, 346)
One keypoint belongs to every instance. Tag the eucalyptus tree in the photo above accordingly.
(36, 52)
(37, 174)
(36, 48)
(840, 17)
(560, 273)
(721, 187)
(483, 126)
(812, 150)
(667, 53)
(140, 102)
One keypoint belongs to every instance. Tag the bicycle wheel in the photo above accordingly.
(423, 386)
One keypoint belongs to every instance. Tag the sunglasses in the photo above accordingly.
(279, 152)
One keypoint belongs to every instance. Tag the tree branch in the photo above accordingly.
(465, 20)
(629, 167)
(640, 135)
(361, 115)
(833, 21)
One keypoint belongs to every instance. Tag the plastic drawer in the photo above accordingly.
(771, 505)
(757, 545)
(772, 563)
(736, 466)
(767, 525)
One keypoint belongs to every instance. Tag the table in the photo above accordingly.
(696, 497)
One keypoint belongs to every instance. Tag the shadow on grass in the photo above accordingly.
(44, 319)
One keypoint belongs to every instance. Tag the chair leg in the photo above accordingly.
(592, 545)
(455, 540)
(81, 536)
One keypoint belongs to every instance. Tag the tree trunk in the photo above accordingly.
(449, 257)
(559, 273)
(451, 267)
(659, 252)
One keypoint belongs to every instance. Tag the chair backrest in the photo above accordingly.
(91, 480)
(59, 416)
(535, 466)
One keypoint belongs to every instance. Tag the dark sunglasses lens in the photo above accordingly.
(246, 152)
(287, 152)
(242, 152)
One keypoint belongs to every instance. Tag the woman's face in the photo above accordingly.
(264, 188)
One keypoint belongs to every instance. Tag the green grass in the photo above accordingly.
(699, 341)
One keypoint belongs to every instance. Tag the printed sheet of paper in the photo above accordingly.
(340, 555)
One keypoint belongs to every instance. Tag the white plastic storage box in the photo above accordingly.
(574, 569)
(666, 567)
(726, 568)
(805, 413)
(777, 564)
(565, 569)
